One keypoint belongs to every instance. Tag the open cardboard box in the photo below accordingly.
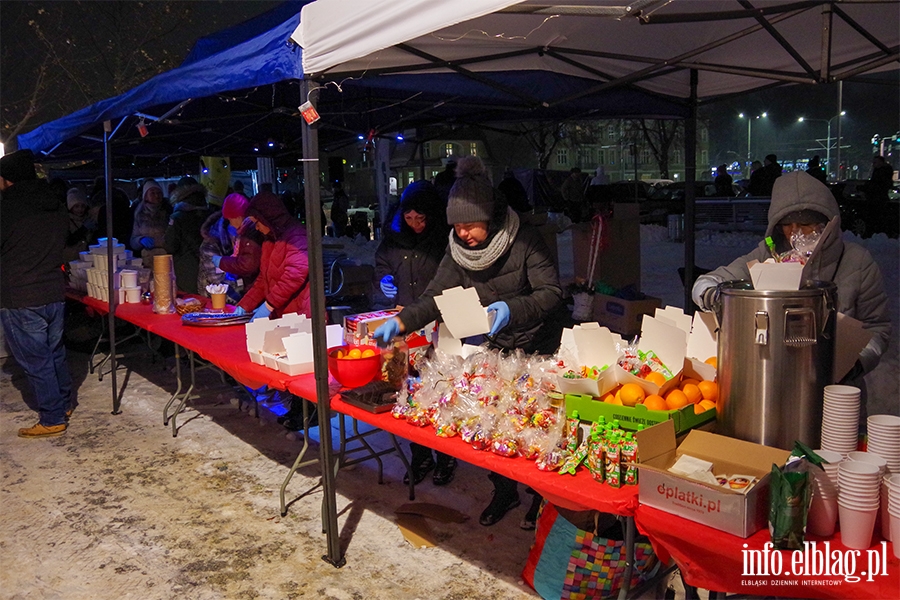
(589, 345)
(462, 312)
(298, 350)
(358, 329)
(727, 510)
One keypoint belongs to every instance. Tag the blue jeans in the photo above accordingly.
(35, 336)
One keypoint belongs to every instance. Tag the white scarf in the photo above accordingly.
(482, 258)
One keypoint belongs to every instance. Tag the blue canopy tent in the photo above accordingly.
(386, 65)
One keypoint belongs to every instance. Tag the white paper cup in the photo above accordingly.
(128, 278)
(841, 390)
(132, 295)
(859, 470)
(823, 514)
(857, 526)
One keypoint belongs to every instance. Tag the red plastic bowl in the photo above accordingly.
(354, 372)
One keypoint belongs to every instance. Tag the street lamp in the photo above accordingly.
(828, 141)
(749, 130)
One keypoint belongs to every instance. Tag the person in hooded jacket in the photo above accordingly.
(405, 262)
(801, 203)
(283, 282)
(151, 219)
(512, 271)
(183, 238)
(241, 264)
(81, 227)
(32, 301)
(219, 237)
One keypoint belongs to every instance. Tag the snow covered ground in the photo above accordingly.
(660, 260)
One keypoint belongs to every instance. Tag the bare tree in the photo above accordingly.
(543, 137)
(58, 57)
(659, 136)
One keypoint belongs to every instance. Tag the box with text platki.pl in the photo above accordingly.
(740, 513)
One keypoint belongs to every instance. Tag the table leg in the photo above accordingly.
(407, 466)
(629, 557)
(178, 388)
(100, 338)
(298, 462)
(184, 396)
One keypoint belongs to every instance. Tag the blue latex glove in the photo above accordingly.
(238, 311)
(147, 242)
(501, 317)
(262, 312)
(216, 259)
(387, 286)
(386, 332)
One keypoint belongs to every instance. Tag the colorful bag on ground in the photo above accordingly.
(568, 562)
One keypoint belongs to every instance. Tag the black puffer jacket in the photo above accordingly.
(34, 228)
(183, 238)
(525, 278)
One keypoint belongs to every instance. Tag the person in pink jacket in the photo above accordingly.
(283, 282)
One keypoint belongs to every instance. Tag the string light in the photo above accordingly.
(499, 36)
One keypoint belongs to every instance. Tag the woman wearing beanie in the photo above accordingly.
(514, 274)
(405, 263)
(283, 283)
(231, 248)
(151, 218)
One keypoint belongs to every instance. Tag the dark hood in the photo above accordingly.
(269, 210)
(193, 194)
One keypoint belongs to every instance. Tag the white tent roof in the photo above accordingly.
(737, 45)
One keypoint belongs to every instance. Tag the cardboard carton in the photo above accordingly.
(462, 312)
(589, 408)
(623, 316)
(298, 350)
(727, 510)
(358, 329)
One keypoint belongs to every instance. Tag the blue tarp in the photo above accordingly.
(258, 52)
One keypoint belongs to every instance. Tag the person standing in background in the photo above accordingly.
(183, 238)
(32, 303)
(880, 181)
(151, 217)
(81, 227)
(723, 182)
(814, 168)
(405, 262)
(242, 265)
(763, 180)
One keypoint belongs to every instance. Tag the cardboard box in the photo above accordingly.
(591, 409)
(623, 316)
(727, 510)
(358, 329)
(619, 264)
(462, 312)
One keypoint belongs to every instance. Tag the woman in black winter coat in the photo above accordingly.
(512, 271)
(183, 238)
(405, 263)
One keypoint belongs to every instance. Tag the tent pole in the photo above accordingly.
(690, 176)
(320, 351)
(110, 264)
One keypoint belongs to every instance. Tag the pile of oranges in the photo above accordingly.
(702, 394)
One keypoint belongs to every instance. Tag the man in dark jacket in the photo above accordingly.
(183, 237)
(34, 228)
(514, 275)
(724, 182)
(763, 180)
(880, 182)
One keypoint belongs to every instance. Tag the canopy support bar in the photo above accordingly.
(690, 177)
(780, 39)
(859, 28)
(110, 263)
(333, 556)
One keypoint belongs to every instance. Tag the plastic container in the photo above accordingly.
(354, 372)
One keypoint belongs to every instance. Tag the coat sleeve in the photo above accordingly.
(246, 263)
(425, 310)
(735, 271)
(382, 262)
(544, 282)
(872, 310)
(294, 275)
(173, 237)
(254, 296)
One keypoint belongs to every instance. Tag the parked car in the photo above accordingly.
(862, 216)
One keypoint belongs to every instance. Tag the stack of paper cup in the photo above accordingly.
(840, 418)
(163, 284)
(884, 439)
(882, 465)
(893, 485)
(858, 499)
(823, 510)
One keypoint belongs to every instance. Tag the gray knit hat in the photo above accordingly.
(472, 196)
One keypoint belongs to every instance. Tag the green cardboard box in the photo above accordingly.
(590, 408)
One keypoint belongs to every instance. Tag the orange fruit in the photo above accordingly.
(355, 353)
(657, 378)
(368, 352)
(676, 399)
(607, 397)
(631, 394)
(340, 354)
(654, 402)
(692, 392)
(703, 406)
(709, 390)
(687, 381)
(611, 398)
(712, 360)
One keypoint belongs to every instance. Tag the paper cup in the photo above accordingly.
(128, 278)
(857, 526)
(895, 534)
(823, 514)
(218, 301)
(133, 295)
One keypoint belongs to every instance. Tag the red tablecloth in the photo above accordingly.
(578, 492)
(714, 560)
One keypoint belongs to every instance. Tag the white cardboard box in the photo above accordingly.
(463, 313)
(727, 510)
